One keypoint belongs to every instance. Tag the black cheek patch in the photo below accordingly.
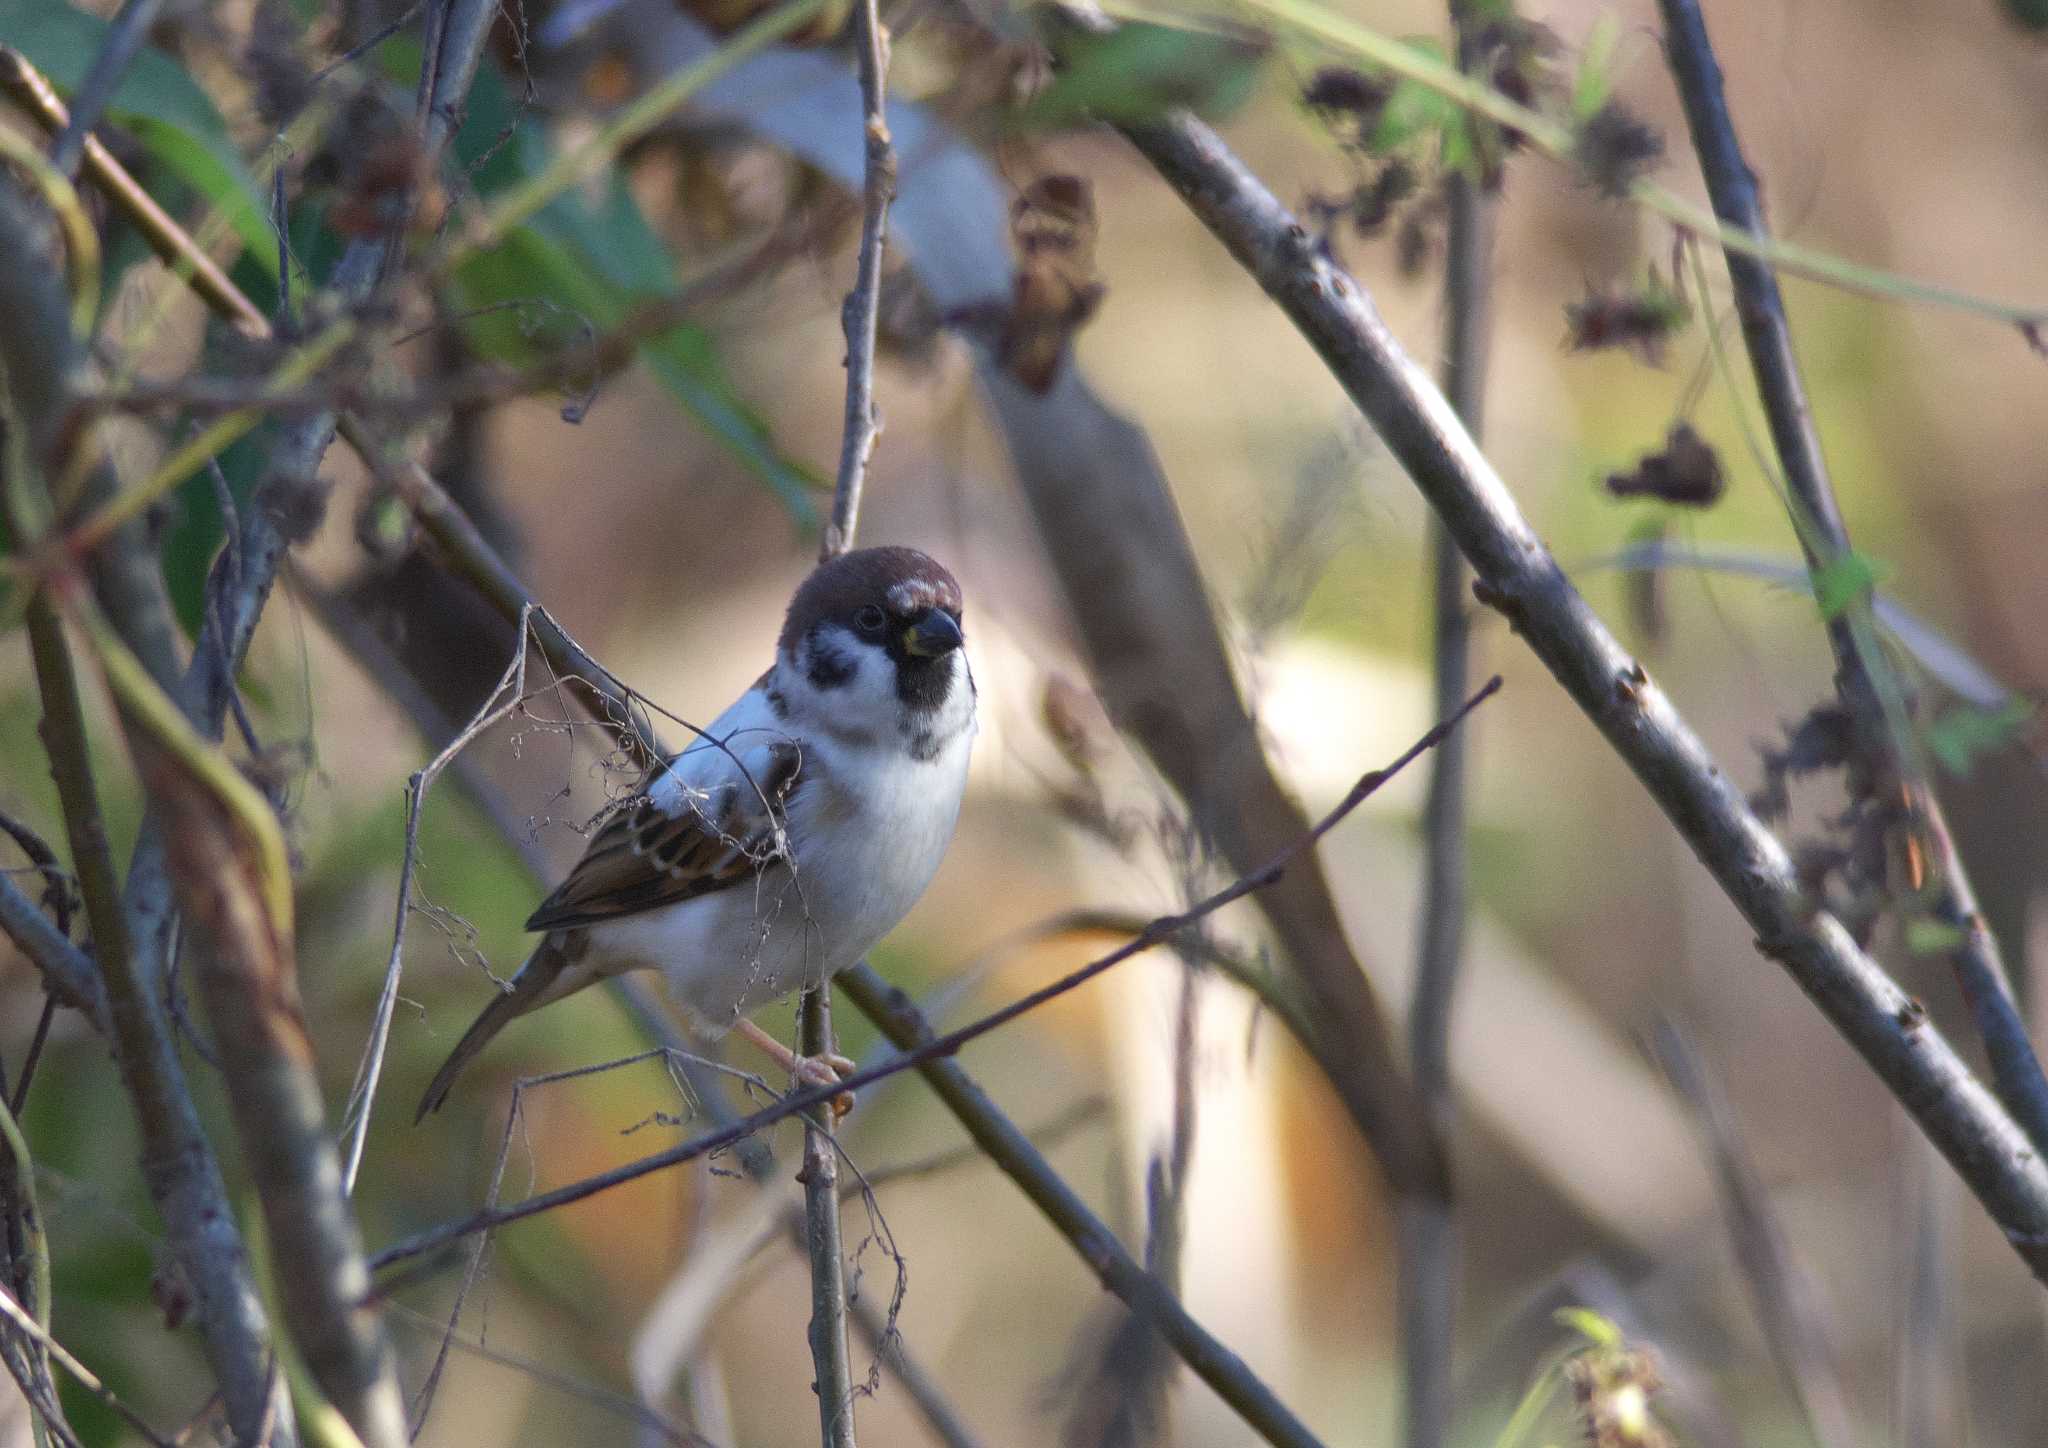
(828, 667)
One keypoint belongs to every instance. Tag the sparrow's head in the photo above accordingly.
(875, 636)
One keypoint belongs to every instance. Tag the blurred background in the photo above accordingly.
(1908, 136)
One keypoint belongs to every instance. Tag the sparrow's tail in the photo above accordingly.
(530, 988)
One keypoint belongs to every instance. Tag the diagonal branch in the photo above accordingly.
(1011, 1150)
(1863, 675)
(1518, 576)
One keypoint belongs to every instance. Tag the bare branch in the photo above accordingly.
(1011, 1150)
(1518, 576)
(864, 302)
(1864, 677)
(249, 978)
(85, 1377)
(820, 1177)
(834, 1373)
(69, 974)
(1428, 1233)
(294, 464)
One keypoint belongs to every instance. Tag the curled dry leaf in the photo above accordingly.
(1056, 289)
(1615, 148)
(1685, 471)
(1642, 320)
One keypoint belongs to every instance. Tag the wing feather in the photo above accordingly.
(710, 820)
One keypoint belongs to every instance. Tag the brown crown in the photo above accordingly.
(901, 580)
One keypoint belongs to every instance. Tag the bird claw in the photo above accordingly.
(828, 1071)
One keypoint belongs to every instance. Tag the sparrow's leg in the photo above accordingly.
(811, 1070)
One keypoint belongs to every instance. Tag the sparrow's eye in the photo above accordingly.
(870, 620)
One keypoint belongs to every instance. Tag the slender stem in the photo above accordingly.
(209, 1248)
(864, 303)
(1789, 1304)
(1864, 676)
(1427, 1228)
(126, 36)
(69, 974)
(294, 463)
(1518, 576)
(26, 1239)
(86, 1378)
(830, 1362)
(833, 1382)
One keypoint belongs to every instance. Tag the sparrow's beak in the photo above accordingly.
(934, 634)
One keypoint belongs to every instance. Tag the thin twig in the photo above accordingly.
(1428, 1231)
(1518, 576)
(29, 1250)
(548, 1375)
(1157, 933)
(863, 304)
(833, 1382)
(1787, 1299)
(69, 974)
(505, 700)
(1864, 675)
(472, 558)
(85, 1377)
(126, 36)
(423, 1400)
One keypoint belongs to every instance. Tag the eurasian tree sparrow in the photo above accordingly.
(794, 833)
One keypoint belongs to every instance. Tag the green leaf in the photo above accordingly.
(1964, 734)
(1927, 936)
(581, 262)
(162, 106)
(1412, 110)
(1590, 1325)
(1844, 581)
(1140, 70)
(1594, 81)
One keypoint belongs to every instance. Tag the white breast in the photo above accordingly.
(867, 825)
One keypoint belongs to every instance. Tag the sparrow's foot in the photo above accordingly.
(811, 1070)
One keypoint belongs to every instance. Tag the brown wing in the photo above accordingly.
(644, 857)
